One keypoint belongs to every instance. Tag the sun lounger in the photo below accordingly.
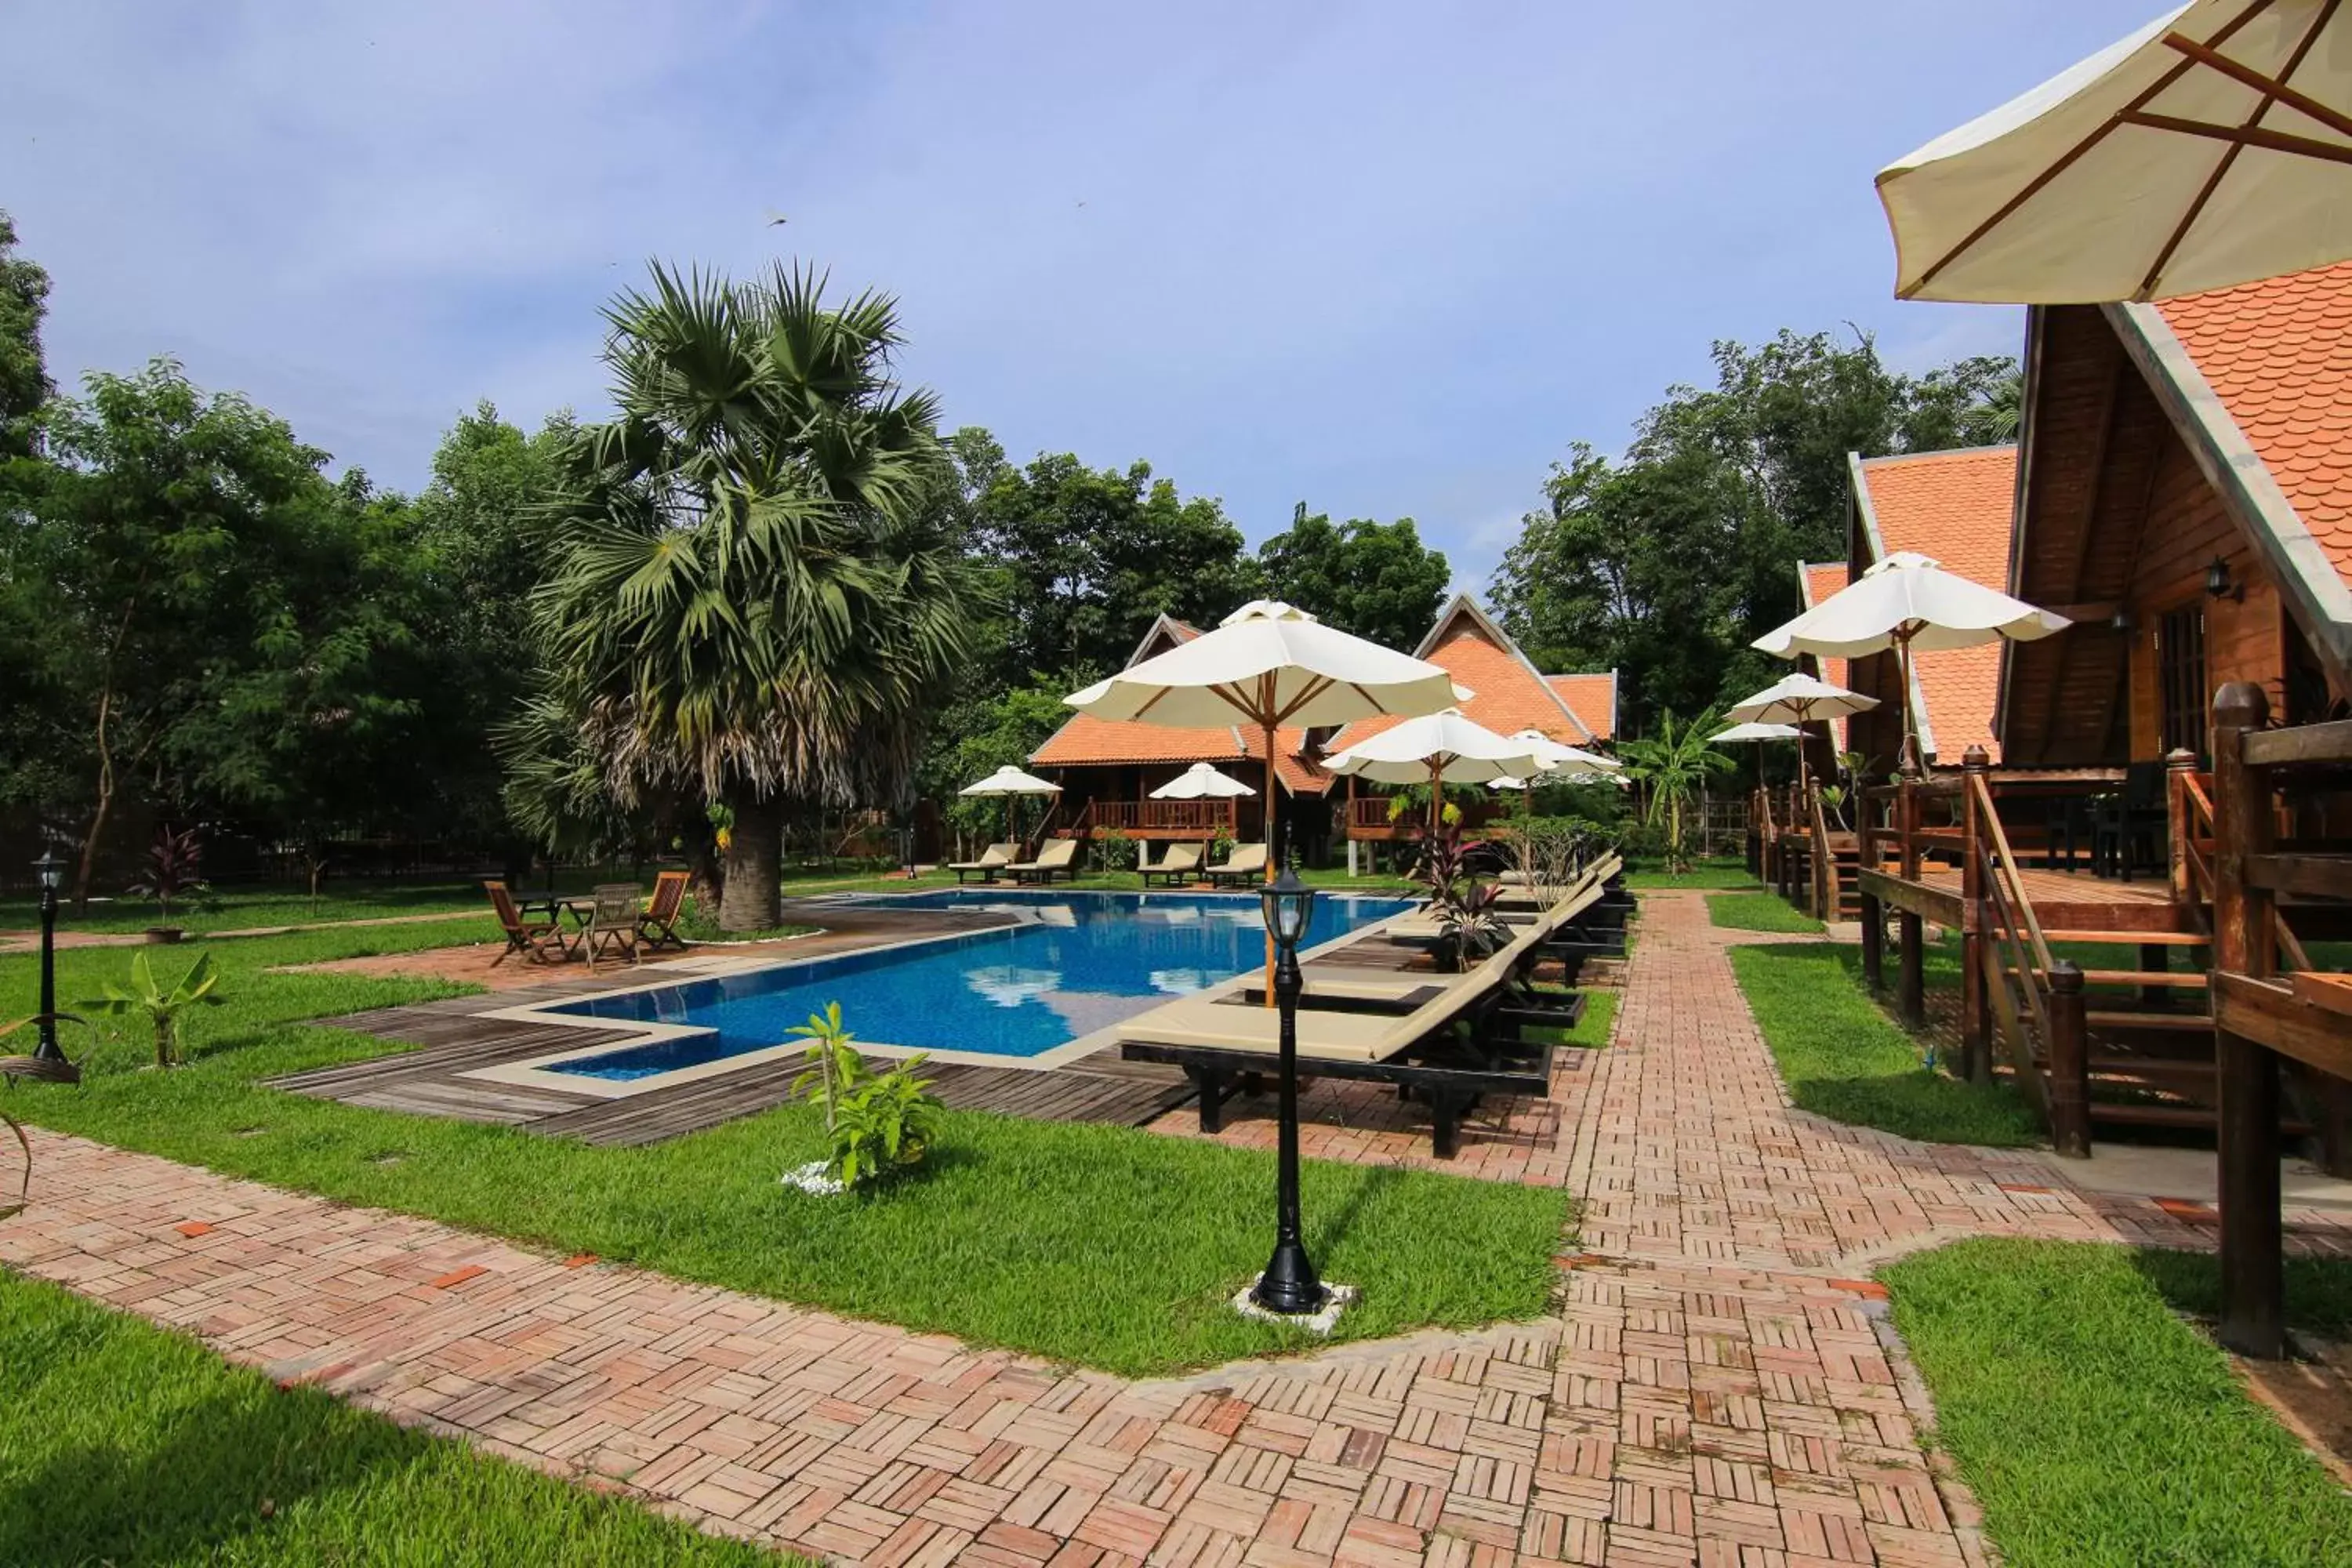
(1178, 862)
(1060, 857)
(993, 860)
(1245, 864)
(1225, 1045)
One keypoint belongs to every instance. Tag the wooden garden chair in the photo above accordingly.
(612, 922)
(533, 939)
(657, 927)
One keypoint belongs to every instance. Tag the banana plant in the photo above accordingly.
(163, 1008)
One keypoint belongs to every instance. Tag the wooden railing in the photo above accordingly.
(2050, 1061)
(1822, 859)
(2260, 1018)
(1207, 818)
(1371, 811)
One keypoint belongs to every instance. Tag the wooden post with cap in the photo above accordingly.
(1976, 1024)
(2253, 1283)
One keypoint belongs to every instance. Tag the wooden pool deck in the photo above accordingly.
(453, 1037)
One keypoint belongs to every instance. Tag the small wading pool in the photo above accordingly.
(1078, 962)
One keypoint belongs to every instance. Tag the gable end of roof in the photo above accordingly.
(2307, 574)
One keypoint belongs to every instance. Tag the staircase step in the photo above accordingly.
(2147, 937)
(2182, 1022)
(2137, 1115)
(2186, 979)
(2150, 1067)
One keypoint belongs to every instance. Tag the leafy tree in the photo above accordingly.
(207, 579)
(479, 534)
(1667, 561)
(1088, 559)
(749, 600)
(23, 374)
(980, 734)
(1672, 767)
(1374, 579)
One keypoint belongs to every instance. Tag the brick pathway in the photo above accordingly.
(1707, 1392)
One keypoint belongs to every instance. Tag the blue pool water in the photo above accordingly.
(1082, 962)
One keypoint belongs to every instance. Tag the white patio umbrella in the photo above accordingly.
(1557, 757)
(1009, 781)
(2212, 147)
(1905, 602)
(1437, 748)
(1201, 782)
(1800, 700)
(1268, 664)
(1739, 732)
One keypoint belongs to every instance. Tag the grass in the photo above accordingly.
(1758, 912)
(1592, 1031)
(2095, 1426)
(1843, 1058)
(1723, 873)
(122, 1444)
(1008, 1237)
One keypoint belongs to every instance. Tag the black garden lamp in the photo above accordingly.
(1288, 1286)
(52, 873)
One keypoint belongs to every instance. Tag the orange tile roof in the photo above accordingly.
(1957, 507)
(1088, 741)
(1508, 694)
(1820, 580)
(2278, 353)
(1592, 698)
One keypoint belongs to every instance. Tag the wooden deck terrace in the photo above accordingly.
(453, 1037)
(2064, 900)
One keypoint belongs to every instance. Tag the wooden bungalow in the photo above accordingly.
(1508, 694)
(1954, 507)
(2183, 494)
(1107, 771)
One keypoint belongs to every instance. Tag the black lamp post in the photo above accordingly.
(52, 872)
(1288, 1285)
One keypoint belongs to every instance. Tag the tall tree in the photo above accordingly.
(477, 530)
(1666, 562)
(1374, 579)
(749, 600)
(23, 374)
(1089, 558)
(232, 617)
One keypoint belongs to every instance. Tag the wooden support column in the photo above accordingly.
(1976, 1011)
(2179, 824)
(1873, 941)
(2070, 1062)
(1911, 982)
(2254, 1281)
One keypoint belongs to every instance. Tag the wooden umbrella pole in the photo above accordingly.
(1911, 761)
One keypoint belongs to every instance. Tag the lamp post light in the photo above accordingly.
(1288, 1286)
(52, 873)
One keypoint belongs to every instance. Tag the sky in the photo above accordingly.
(1387, 258)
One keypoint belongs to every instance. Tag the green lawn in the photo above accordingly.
(1842, 1056)
(1758, 912)
(121, 1444)
(1722, 872)
(1108, 1246)
(2096, 1427)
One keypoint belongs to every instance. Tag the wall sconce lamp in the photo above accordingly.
(2217, 585)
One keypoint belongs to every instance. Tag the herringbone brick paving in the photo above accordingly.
(1706, 1391)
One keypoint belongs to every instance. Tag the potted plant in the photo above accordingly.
(1469, 914)
(174, 868)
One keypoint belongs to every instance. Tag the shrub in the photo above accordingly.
(162, 1008)
(1114, 850)
(174, 867)
(875, 1122)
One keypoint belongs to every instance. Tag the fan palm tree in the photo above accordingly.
(1672, 766)
(748, 601)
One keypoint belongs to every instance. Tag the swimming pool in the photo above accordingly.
(1077, 962)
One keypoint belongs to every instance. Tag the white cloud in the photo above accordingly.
(1391, 260)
